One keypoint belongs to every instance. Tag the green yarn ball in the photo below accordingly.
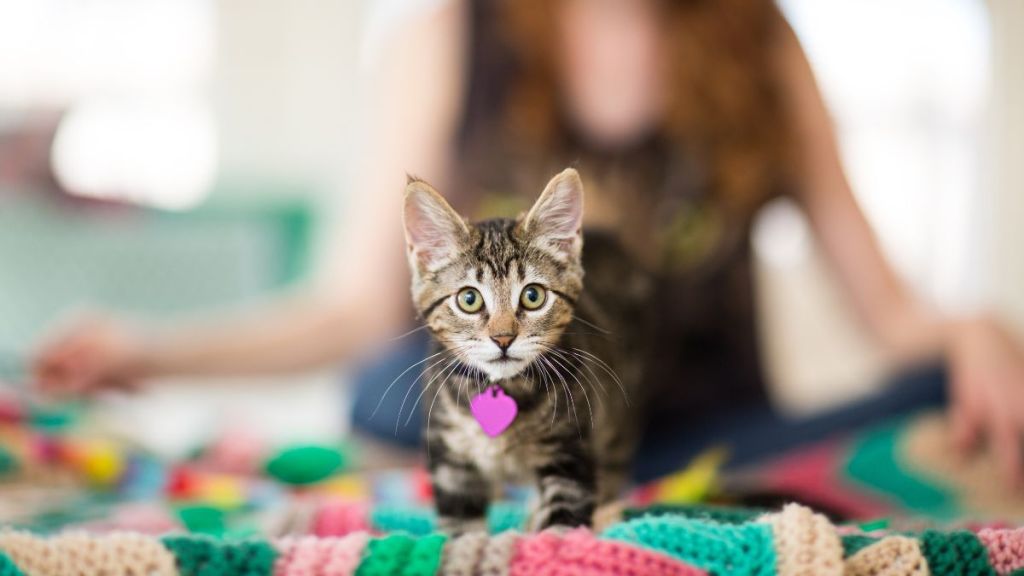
(202, 519)
(306, 464)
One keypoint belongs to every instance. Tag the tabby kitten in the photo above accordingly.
(528, 370)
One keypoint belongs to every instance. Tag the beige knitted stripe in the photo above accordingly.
(498, 554)
(34, 556)
(116, 554)
(462, 554)
(806, 544)
(891, 556)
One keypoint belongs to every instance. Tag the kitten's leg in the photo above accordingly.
(461, 492)
(567, 484)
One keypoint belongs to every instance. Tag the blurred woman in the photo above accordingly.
(683, 116)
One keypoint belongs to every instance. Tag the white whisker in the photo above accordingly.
(393, 382)
(401, 408)
(452, 360)
(591, 324)
(450, 367)
(410, 332)
(558, 357)
(604, 366)
(570, 399)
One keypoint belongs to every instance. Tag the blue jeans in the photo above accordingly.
(751, 433)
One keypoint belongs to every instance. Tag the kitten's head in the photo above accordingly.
(496, 293)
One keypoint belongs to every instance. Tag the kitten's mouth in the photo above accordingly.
(505, 359)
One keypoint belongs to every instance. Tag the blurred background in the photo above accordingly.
(167, 158)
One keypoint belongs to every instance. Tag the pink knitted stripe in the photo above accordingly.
(312, 556)
(338, 518)
(579, 553)
(1005, 548)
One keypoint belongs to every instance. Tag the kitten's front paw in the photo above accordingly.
(458, 526)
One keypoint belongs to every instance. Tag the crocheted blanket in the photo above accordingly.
(793, 541)
(72, 504)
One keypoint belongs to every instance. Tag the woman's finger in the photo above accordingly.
(964, 414)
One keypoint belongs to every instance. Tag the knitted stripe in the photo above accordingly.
(402, 554)
(311, 556)
(416, 521)
(463, 553)
(579, 553)
(744, 549)
(955, 553)
(503, 516)
(204, 556)
(1005, 548)
(891, 556)
(719, 514)
(425, 558)
(117, 554)
(34, 556)
(8, 567)
(498, 554)
(806, 544)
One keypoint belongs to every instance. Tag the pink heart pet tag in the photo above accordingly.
(493, 410)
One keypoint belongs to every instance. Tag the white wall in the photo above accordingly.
(284, 88)
(1007, 153)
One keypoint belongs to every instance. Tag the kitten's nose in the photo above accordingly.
(503, 340)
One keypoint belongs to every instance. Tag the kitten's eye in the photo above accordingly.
(533, 297)
(470, 300)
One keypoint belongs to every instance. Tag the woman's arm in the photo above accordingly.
(905, 327)
(986, 365)
(413, 96)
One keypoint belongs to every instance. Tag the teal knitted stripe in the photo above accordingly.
(425, 557)
(206, 556)
(735, 549)
(385, 556)
(720, 514)
(8, 567)
(415, 520)
(958, 553)
(420, 521)
(853, 543)
(502, 516)
(402, 555)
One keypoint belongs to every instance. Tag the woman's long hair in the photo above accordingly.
(724, 107)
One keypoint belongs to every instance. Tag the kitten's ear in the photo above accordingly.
(433, 230)
(556, 219)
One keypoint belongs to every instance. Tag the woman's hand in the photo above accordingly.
(94, 354)
(987, 392)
